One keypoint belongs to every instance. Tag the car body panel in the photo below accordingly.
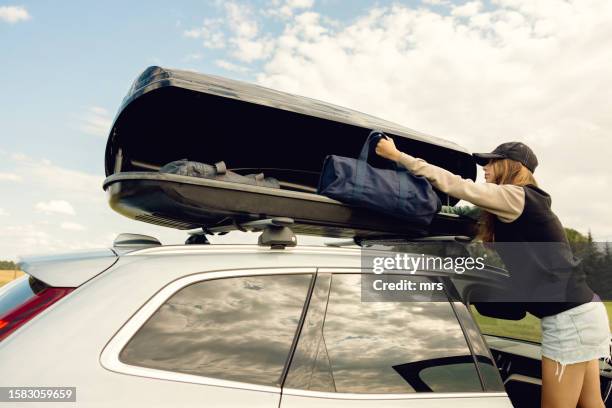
(70, 269)
(294, 399)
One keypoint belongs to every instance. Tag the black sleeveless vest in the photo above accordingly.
(544, 274)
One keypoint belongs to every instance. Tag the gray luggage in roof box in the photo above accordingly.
(168, 115)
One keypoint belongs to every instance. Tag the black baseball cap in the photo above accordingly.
(511, 150)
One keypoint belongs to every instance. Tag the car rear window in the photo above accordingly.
(238, 329)
(19, 291)
(351, 346)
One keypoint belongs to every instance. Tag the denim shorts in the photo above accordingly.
(579, 334)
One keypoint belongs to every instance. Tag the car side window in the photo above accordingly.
(238, 329)
(350, 346)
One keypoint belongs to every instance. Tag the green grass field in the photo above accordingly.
(526, 329)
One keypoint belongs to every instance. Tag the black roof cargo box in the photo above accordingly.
(170, 115)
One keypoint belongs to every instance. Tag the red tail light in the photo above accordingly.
(19, 315)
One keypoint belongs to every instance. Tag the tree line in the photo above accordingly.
(7, 265)
(596, 261)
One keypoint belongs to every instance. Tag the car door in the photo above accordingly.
(212, 339)
(380, 354)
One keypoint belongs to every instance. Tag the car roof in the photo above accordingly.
(74, 269)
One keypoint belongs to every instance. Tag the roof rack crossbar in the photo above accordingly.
(368, 241)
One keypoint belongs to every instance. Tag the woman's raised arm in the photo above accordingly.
(506, 200)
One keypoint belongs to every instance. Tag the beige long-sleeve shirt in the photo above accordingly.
(507, 201)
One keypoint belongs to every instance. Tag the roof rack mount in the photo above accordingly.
(276, 232)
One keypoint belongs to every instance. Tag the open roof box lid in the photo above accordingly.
(169, 115)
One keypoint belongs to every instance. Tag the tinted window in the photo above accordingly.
(379, 347)
(238, 329)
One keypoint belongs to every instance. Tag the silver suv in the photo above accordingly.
(143, 324)
(236, 325)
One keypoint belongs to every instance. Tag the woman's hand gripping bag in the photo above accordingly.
(394, 191)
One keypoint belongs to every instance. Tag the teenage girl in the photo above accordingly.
(514, 209)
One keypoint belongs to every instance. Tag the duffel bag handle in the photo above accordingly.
(370, 143)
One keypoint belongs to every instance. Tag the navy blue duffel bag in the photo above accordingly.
(394, 191)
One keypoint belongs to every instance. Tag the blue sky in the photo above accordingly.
(66, 59)
(475, 73)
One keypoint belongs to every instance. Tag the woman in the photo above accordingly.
(515, 210)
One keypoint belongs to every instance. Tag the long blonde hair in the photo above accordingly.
(506, 171)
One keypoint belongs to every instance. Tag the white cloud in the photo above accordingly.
(96, 121)
(230, 66)
(247, 45)
(72, 226)
(31, 236)
(29, 231)
(249, 50)
(193, 33)
(210, 33)
(98, 110)
(300, 4)
(67, 182)
(55, 206)
(436, 2)
(35, 239)
(13, 14)
(519, 70)
(287, 8)
(240, 19)
(10, 177)
(18, 156)
(468, 9)
(196, 56)
(238, 31)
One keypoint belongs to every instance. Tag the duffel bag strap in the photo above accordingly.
(370, 143)
(221, 168)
